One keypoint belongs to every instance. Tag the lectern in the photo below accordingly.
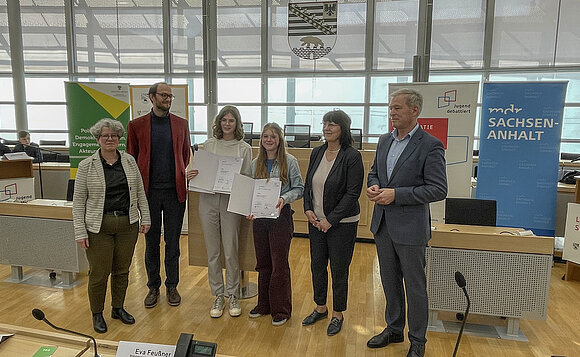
(15, 169)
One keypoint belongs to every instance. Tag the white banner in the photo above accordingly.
(141, 105)
(572, 235)
(456, 102)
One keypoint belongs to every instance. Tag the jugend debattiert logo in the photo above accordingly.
(449, 100)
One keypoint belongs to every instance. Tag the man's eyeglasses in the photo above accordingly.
(110, 136)
(166, 96)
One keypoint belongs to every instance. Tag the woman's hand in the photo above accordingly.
(251, 217)
(144, 228)
(311, 218)
(280, 205)
(191, 174)
(83, 243)
(323, 225)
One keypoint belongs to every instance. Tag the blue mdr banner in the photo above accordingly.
(521, 127)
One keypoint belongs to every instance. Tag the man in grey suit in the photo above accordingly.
(408, 173)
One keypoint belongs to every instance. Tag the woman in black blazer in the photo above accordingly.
(333, 185)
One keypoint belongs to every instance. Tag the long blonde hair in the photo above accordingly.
(261, 166)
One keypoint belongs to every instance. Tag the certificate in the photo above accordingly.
(227, 167)
(257, 197)
(216, 172)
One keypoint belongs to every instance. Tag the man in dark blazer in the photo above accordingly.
(407, 174)
(159, 142)
(31, 149)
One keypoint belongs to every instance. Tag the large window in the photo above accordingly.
(118, 36)
(371, 45)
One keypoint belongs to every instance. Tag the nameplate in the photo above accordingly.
(139, 349)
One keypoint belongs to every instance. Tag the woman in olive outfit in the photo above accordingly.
(109, 201)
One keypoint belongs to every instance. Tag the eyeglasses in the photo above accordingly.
(166, 96)
(329, 125)
(110, 136)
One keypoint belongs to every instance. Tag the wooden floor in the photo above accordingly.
(559, 335)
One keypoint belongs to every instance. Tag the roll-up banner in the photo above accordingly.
(448, 113)
(521, 127)
(86, 104)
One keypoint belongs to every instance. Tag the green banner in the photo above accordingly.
(86, 104)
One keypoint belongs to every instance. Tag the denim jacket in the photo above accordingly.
(294, 188)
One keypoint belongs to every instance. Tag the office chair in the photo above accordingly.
(357, 138)
(52, 142)
(248, 132)
(297, 135)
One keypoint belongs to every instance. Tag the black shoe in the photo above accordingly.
(416, 350)
(173, 297)
(124, 316)
(384, 338)
(335, 326)
(313, 317)
(99, 323)
(151, 298)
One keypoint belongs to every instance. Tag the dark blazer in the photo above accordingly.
(4, 149)
(139, 146)
(343, 185)
(419, 177)
(32, 150)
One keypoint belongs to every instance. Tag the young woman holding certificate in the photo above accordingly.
(219, 226)
(333, 185)
(272, 236)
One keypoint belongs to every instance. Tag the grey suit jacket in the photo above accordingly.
(419, 177)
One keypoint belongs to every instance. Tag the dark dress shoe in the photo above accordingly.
(416, 350)
(124, 316)
(173, 297)
(313, 317)
(335, 326)
(99, 323)
(384, 338)
(151, 298)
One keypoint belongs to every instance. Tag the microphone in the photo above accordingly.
(39, 315)
(460, 280)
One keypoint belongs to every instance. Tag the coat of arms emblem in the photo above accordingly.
(312, 28)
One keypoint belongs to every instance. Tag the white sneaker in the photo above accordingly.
(235, 309)
(218, 306)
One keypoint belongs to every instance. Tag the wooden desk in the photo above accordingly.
(40, 234)
(15, 169)
(27, 341)
(507, 275)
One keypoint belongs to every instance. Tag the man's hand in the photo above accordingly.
(373, 191)
(385, 196)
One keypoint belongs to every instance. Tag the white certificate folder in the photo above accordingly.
(216, 172)
(257, 197)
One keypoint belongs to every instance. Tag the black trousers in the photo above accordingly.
(336, 245)
(163, 201)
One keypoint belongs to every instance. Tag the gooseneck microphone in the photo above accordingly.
(460, 280)
(39, 315)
